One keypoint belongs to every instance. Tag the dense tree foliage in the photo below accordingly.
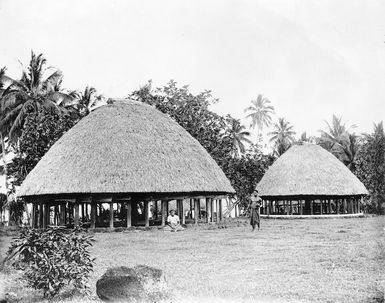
(34, 112)
(31, 93)
(370, 167)
(221, 136)
(282, 136)
(339, 140)
(41, 130)
(246, 171)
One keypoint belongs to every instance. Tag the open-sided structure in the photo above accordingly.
(308, 180)
(122, 153)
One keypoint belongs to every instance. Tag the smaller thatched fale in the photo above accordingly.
(309, 172)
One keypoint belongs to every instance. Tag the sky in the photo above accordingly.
(311, 59)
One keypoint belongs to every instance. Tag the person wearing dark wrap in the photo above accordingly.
(254, 206)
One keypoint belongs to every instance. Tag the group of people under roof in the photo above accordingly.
(174, 225)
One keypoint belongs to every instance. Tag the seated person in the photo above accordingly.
(174, 222)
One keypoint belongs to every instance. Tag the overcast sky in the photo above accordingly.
(310, 58)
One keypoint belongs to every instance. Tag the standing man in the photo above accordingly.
(254, 206)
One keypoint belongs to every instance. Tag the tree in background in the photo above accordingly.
(31, 93)
(282, 136)
(370, 167)
(260, 113)
(192, 113)
(4, 79)
(88, 100)
(338, 140)
(237, 134)
(212, 131)
(41, 130)
(304, 138)
(246, 171)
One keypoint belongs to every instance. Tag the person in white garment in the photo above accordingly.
(174, 222)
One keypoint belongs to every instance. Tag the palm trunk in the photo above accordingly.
(5, 175)
(5, 163)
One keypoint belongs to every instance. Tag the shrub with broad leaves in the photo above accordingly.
(53, 258)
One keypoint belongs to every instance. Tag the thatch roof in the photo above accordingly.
(309, 169)
(126, 147)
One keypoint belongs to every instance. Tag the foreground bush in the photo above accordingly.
(53, 258)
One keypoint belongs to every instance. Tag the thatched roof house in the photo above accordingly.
(125, 149)
(309, 172)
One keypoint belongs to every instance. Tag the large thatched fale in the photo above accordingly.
(309, 172)
(126, 147)
(123, 150)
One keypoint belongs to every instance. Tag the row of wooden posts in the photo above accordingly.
(326, 206)
(66, 209)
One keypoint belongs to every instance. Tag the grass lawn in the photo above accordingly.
(336, 260)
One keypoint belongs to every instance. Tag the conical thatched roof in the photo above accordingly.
(126, 147)
(309, 169)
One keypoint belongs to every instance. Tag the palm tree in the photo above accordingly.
(260, 112)
(237, 134)
(340, 142)
(31, 93)
(88, 100)
(334, 133)
(282, 136)
(304, 138)
(4, 79)
(347, 150)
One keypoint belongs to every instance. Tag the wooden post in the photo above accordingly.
(311, 207)
(345, 206)
(41, 215)
(359, 205)
(44, 217)
(191, 208)
(163, 210)
(267, 207)
(111, 215)
(146, 214)
(62, 213)
(300, 208)
(199, 208)
(87, 211)
(156, 210)
(321, 210)
(47, 214)
(183, 217)
(330, 206)
(212, 210)
(337, 201)
(179, 205)
(93, 214)
(83, 212)
(128, 214)
(33, 217)
(218, 210)
(196, 211)
(207, 210)
(77, 210)
(291, 207)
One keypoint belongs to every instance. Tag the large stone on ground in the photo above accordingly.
(139, 284)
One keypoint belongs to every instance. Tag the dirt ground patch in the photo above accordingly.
(336, 260)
